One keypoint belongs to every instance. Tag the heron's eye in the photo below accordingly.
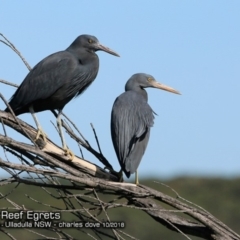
(149, 79)
(90, 40)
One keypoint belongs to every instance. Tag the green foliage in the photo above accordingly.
(218, 196)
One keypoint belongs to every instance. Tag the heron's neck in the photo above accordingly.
(84, 57)
(140, 91)
(143, 92)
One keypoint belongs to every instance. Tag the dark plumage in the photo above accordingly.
(55, 80)
(131, 120)
(58, 78)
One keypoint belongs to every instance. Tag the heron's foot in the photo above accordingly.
(42, 134)
(68, 153)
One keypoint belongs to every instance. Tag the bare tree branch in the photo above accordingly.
(81, 190)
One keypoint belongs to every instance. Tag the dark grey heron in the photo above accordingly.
(58, 78)
(131, 120)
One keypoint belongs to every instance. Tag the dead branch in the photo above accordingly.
(84, 191)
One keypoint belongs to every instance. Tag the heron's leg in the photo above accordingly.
(40, 131)
(65, 148)
(136, 178)
(120, 175)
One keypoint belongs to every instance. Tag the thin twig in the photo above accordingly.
(16, 119)
(9, 83)
(96, 137)
(9, 44)
(61, 180)
(8, 234)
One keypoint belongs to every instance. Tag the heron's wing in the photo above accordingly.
(131, 120)
(44, 79)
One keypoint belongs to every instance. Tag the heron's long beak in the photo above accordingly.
(164, 87)
(106, 49)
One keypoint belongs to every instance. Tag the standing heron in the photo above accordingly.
(57, 79)
(131, 120)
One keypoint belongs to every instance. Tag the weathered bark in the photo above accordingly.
(50, 165)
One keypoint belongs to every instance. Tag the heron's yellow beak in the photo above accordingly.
(164, 87)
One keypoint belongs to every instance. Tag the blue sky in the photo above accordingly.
(192, 46)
